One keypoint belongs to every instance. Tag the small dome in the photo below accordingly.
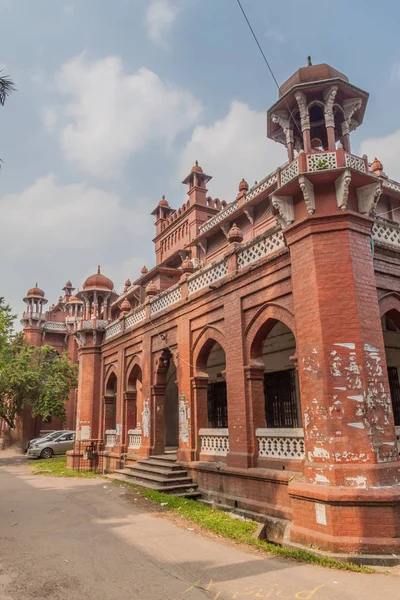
(187, 266)
(35, 292)
(196, 168)
(235, 234)
(128, 283)
(68, 284)
(74, 300)
(125, 305)
(144, 270)
(311, 74)
(151, 289)
(60, 298)
(98, 282)
(376, 165)
(243, 186)
(163, 202)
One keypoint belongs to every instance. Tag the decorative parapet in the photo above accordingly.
(290, 172)
(113, 329)
(134, 439)
(320, 161)
(391, 185)
(355, 162)
(111, 438)
(223, 214)
(386, 232)
(214, 442)
(136, 317)
(54, 326)
(208, 275)
(260, 247)
(74, 319)
(260, 187)
(167, 298)
(37, 316)
(281, 443)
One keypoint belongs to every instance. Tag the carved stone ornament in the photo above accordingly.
(368, 197)
(203, 245)
(284, 206)
(329, 98)
(282, 118)
(308, 193)
(342, 185)
(304, 116)
(225, 229)
(350, 106)
(249, 212)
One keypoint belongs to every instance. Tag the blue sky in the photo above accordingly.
(116, 100)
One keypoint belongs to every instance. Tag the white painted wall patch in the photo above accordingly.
(320, 513)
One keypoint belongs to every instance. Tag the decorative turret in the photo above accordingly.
(235, 234)
(317, 108)
(97, 295)
(68, 289)
(125, 307)
(151, 290)
(196, 182)
(35, 301)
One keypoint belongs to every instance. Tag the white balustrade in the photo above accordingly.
(260, 247)
(134, 438)
(398, 438)
(355, 162)
(101, 324)
(111, 438)
(54, 326)
(386, 232)
(113, 329)
(206, 276)
(223, 214)
(33, 315)
(136, 317)
(320, 161)
(260, 187)
(214, 442)
(167, 298)
(281, 443)
(290, 172)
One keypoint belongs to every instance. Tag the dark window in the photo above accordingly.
(395, 393)
(280, 399)
(217, 405)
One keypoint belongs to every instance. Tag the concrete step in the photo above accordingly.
(156, 478)
(179, 488)
(151, 468)
(163, 457)
(160, 463)
(180, 494)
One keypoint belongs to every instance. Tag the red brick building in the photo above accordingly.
(265, 343)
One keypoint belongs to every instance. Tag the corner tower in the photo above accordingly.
(33, 317)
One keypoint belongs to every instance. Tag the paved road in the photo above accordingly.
(71, 539)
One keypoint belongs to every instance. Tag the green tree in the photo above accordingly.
(31, 375)
(6, 87)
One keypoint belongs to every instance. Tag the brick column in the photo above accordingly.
(347, 416)
(129, 416)
(199, 412)
(256, 403)
(157, 445)
(109, 412)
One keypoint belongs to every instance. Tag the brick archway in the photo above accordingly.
(389, 305)
(203, 345)
(132, 371)
(260, 326)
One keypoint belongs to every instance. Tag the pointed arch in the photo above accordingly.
(203, 344)
(132, 371)
(389, 305)
(261, 324)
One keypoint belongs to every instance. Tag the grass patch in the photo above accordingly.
(223, 524)
(57, 467)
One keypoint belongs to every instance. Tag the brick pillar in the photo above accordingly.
(256, 402)
(199, 412)
(129, 417)
(157, 419)
(347, 416)
(89, 382)
(187, 442)
(109, 412)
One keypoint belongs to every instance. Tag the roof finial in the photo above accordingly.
(36, 284)
(309, 63)
(163, 196)
(197, 163)
(98, 270)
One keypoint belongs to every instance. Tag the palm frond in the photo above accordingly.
(6, 87)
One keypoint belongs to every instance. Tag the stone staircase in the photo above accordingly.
(160, 473)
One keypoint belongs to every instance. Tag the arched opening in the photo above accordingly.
(171, 407)
(110, 403)
(391, 335)
(317, 123)
(133, 396)
(217, 401)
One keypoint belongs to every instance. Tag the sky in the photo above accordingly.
(116, 100)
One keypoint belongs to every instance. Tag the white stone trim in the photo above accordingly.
(166, 298)
(134, 438)
(223, 214)
(207, 276)
(111, 437)
(214, 442)
(260, 187)
(260, 247)
(285, 443)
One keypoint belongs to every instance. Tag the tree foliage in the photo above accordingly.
(6, 87)
(32, 375)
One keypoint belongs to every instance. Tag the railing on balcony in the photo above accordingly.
(214, 442)
(261, 186)
(134, 439)
(260, 247)
(398, 438)
(111, 438)
(208, 275)
(226, 212)
(33, 315)
(74, 319)
(166, 298)
(113, 329)
(281, 443)
(386, 232)
(54, 326)
(137, 316)
(289, 172)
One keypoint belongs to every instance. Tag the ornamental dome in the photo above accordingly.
(74, 300)
(196, 168)
(311, 74)
(187, 266)
(235, 234)
(98, 282)
(144, 270)
(243, 186)
(68, 284)
(163, 202)
(128, 283)
(35, 292)
(125, 306)
(151, 289)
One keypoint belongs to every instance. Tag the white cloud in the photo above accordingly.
(275, 35)
(395, 73)
(160, 16)
(50, 118)
(231, 148)
(387, 150)
(111, 114)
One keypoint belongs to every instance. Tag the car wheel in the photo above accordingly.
(46, 453)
